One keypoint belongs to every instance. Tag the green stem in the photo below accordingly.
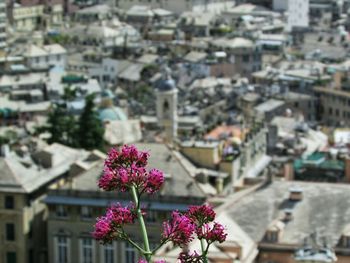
(204, 252)
(148, 253)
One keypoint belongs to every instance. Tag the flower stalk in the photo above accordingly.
(147, 253)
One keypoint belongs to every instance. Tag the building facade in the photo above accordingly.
(3, 25)
(298, 14)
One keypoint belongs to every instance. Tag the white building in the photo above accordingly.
(2, 25)
(105, 36)
(46, 56)
(107, 72)
(297, 12)
(178, 6)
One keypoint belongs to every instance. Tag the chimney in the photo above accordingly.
(202, 178)
(288, 170)
(337, 78)
(274, 231)
(288, 215)
(347, 170)
(295, 194)
(219, 185)
(5, 150)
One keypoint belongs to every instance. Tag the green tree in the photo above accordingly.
(62, 127)
(90, 130)
(69, 93)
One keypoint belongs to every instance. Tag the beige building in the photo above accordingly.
(25, 177)
(30, 18)
(333, 105)
(240, 160)
(243, 53)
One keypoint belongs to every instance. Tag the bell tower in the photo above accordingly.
(167, 105)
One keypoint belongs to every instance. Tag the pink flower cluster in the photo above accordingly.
(212, 232)
(126, 168)
(110, 226)
(198, 219)
(201, 214)
(179, 229)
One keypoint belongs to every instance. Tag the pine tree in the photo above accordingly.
(61, 126)
(90, 132)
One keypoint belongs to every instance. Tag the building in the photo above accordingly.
(30, 18)
(177, 6)
(298, 14)
(3, 26)
(46, 56)
(243, 53)
(73, 210)
(322, 167)
(333, 104)
(239, 160)
(24, 180)
(105, 37)
(107, 72)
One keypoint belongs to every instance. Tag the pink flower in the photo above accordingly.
(141, 260)
(179, 229)
(120, 215)
(212, 234)
(201, 214)
(154, 182)
(108, 180)
(103, 230)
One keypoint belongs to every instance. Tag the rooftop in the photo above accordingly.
(179, 182)
(25, 175)
(269, 105)
(255, 212)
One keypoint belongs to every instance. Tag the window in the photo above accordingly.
(58, 57)
(86, 212)
(61, 211)
(62, 249)
(87, 250)
(271, 236)
(151, 216)
(9, 202)
(130, 253)
(246, 58)
(10, 232)
(108, 253)
(11, 257)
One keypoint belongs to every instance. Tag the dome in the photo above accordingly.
(167, 84)
(112, 114)
(107, 94)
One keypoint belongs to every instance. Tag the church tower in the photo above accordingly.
(167, 105)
